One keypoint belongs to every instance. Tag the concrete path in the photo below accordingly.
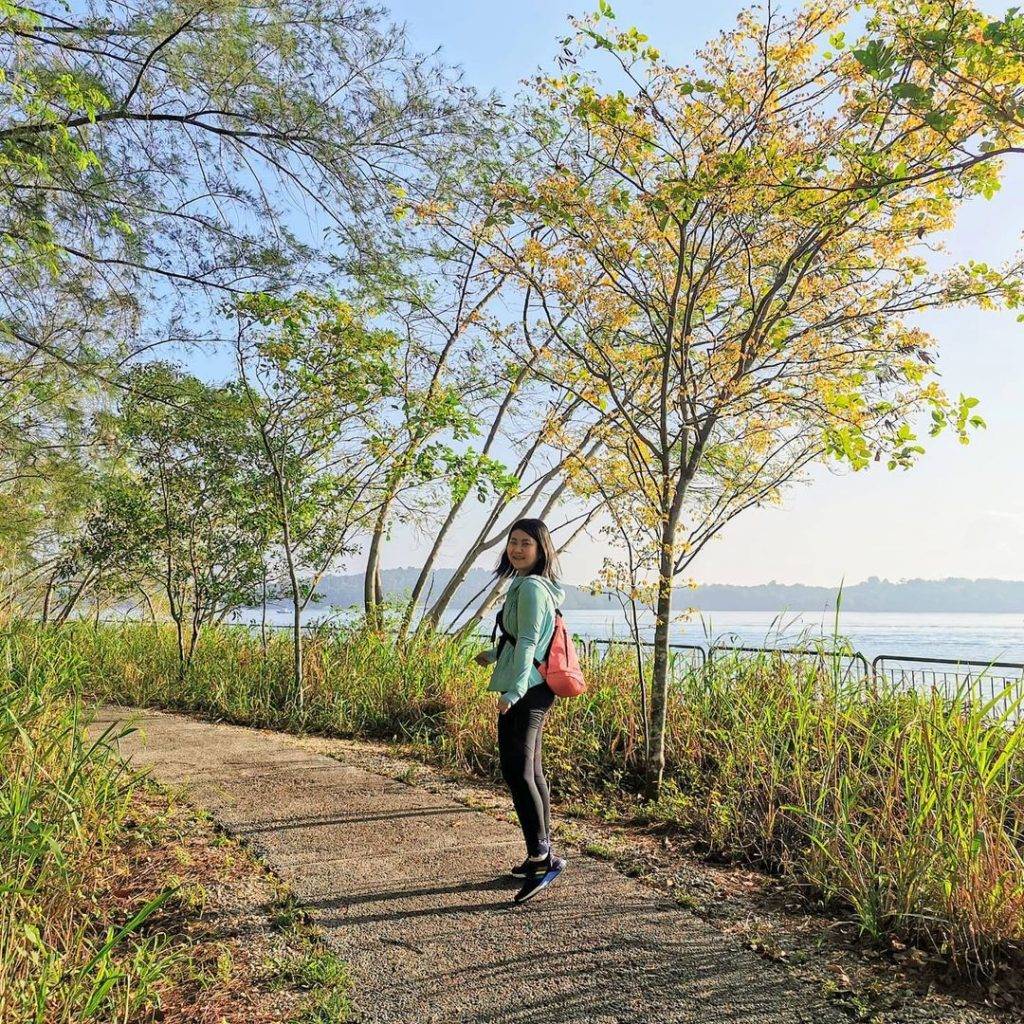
(407, 886)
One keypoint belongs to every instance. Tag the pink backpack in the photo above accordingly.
(560, 668)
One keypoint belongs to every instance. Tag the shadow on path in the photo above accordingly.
(347, 819)
(411, 888)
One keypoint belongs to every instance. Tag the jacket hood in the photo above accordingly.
(554, 589)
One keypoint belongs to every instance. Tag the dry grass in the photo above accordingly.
(230, 960)
(904, 810)
(116, 906)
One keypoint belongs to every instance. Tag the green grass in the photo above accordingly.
(903, 810)
(326, 977)
(64, 800)
(288, 915)
(95, 918)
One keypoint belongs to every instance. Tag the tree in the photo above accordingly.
(113, 558)
(551, 486)
(46, 476)
(487, 419)
(202, 532)
(313, 376)
(730, 256)
(422, 265)
(152, 160)
(535, 434)
(471, 418)
(168, 144)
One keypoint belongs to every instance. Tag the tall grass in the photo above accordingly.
(903, 809)
(63, 803)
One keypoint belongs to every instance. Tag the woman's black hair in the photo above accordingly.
(547, 556)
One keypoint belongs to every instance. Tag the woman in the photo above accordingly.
(527, 623)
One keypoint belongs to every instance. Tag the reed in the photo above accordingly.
(905, 810)
(64, 799)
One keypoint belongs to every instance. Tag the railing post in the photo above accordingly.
(875, 662)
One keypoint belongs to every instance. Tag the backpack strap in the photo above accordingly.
(506, 636)
(509, 638)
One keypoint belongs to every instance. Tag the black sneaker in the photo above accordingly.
(535, 883)
(529, 868)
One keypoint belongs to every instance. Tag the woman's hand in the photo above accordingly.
(483, 659)
(503, 705)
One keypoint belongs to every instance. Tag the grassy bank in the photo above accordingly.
(118, 906)
(64, 807)
(902, 808)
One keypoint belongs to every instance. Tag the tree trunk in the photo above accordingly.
(498, 589)
(193, 639)
(263, 616)
(179, 629)
(456, 508)
(176, 615)
(642, 677)
(659, 681)
(50, 584)
(425, 571)
(66, 611)
(663, 622)
(482, 543)
(478, 547)
(433, 617)
(297, 648)
(149, 603)
(372, 593)
(293, 577)
(293, 581)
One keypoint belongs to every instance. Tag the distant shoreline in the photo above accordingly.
(953, 594)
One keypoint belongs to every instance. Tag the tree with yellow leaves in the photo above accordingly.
(729, 255)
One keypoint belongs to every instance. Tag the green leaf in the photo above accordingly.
(917, 95)
(939, 120)
(877, 59)
(602, 42)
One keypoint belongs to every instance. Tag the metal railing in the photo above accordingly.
(999, 684)
(851, 660)
(996, 684)
(692, 651)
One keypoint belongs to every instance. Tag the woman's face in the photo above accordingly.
(522, 551)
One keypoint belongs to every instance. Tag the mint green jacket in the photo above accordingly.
(529, 615)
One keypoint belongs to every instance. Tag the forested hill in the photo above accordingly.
(873, 595)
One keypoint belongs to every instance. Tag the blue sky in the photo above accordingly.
(498, 44)
(961, 511)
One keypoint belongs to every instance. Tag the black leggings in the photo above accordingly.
(519, 737)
